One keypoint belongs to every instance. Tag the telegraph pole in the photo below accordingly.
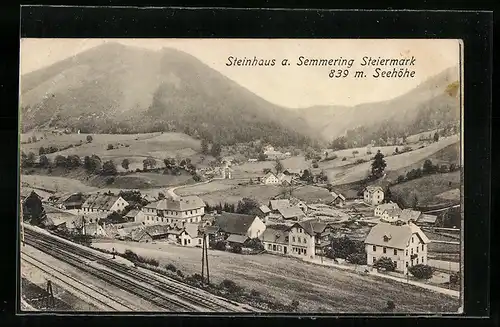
(203, 258)
(206, 256)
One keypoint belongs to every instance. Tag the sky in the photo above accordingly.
(290, 86)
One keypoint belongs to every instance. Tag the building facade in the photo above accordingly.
(188, 209)
(373, 195)
(379, 210)
(103, 203)
(301, 241)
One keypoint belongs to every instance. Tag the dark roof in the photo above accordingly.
(181, 204)
(291, 212)
(234, 238)
(100, 201)
(155, 230)
(312, 226)
(234, 223)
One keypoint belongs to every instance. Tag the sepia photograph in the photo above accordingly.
(241, 176)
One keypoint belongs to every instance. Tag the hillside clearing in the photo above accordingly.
(400, 161)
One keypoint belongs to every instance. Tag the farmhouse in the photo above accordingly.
(189, 209)
(275, 205)
(275, 239)
(406, 245)
(93, 229)
(284, 179)
(338, 199)
(103, 203)
(379, 210)
(135, 216)
(408, 215)
(240, 224)
(270, 179)
(73, 201)
(373, 195)
(291, 213)
(190, 235)
(427, 220)
(391, 215)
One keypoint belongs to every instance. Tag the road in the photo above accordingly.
(168, 294)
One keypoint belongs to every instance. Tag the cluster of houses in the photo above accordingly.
(284, 226)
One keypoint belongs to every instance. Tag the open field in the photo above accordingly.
(396, 162)
(56, 184)
(427, 188)
(213, 186)
(134, 147)
(288, 279)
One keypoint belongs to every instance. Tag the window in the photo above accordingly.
(417, 260)
(374, 248)
(422, 247)
(417, 249)
(384, 250)
(274, 247)
(412, 240)
(411, 251)
(279, 247)
(305, 241)
(269, 246)
(293, 239)
(298, 239)
(199, 241)
(374, 259)
(395, 252)
(422, 259)
(406, 264)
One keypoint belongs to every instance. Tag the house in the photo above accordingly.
(373, 195)
(235, 239)
(391, 215)
(408, 215)
(291, 213)
(226, 173)
(93, 229)
(240, 224)
(284, 179)
(379, 210)
(275, 205)
(295, 173)
(157, 232)
(406, 245)
(141, 236)
(135, 216)
(103, 203)
(301, 240)
(270, 179)
(322, 234)
(427, 220)
(73, 201)
(213, 233)
(264, 209)
(338, 199)
(188, 209)
(191, 235)
(275, 239)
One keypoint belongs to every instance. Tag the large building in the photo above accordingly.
(239, 224)
(406, 245)
(189, 209)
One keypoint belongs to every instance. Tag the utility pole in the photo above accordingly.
(206, 256)
(22, 225)
(50, 302)
(204, 259)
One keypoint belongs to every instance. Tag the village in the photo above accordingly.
(356, 230)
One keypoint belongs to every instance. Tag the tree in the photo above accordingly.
(278, 166)
(33, 210)
(109, 168)
(110, 147)
(161, 196)
(89, 138)
(339, 143)
(247, 206)
(378, 165)
(436, 137)
(149, 163)
(60, 161)
(428, 167)
(125, 163)
(262, 157)
(73, 161)
(169, 162)
(216, 150)
(44, 161)
(421, 271)
(204, 146)
(41, 151)
(385, 263)
(397, 150)
(354, 153)
(307, 176)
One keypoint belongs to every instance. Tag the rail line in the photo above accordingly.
(183, 291)
(114, 279)
(39, 265)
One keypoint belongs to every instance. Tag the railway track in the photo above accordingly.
(117, 280)
(197, 297)
(41, 266)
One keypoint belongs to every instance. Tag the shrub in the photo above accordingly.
(171, 267)
(455, 278)
(368, 152)
(236, 248)
(150, 261)
(255, 244)
(344, 159)
(130, 255)
(180, 274)
(357, 258)
(401, 179)
(421, 271)
(110, 180)
(255, 293)
(390, 305)
(230, 286)
(110, 146)
(89, 138)
(385, 263)
(294, 305)
(315, 165)
(220, 245)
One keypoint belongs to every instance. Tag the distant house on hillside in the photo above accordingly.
(406, 245)
(270, 179)
(391, 215)
(291, 213)
(338, 199)
(103, 203)
(373, 195)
